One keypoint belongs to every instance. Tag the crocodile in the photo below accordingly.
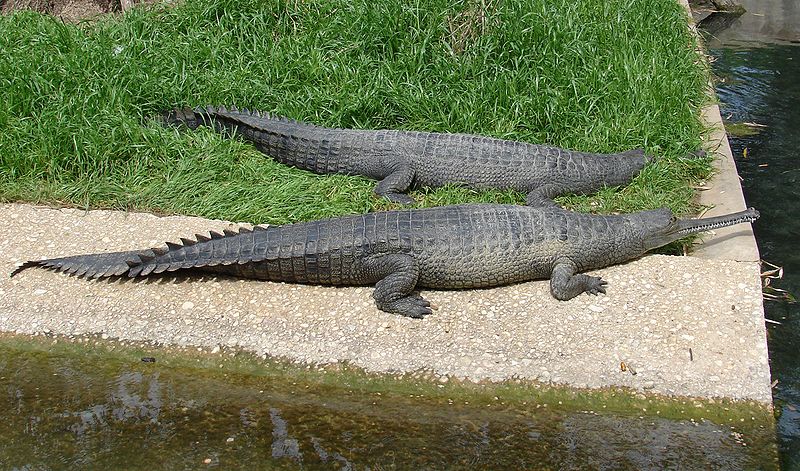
(402, 159)
(448, 247)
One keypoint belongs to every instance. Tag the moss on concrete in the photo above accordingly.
(751, 418)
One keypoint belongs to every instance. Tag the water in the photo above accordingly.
(762, 85)
(766, 22)
(759, 63)
(100, 411)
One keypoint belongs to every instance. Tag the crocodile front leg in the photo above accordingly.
(543, 196)
(393, 186)
(398, 274)
(565, 284)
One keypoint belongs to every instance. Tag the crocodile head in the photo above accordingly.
(613, 169)
(660, 227)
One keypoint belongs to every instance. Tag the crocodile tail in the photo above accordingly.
(286, 140)
(247, 123)
(91, 266)
(185, 117)
(221, 118)
(216, 249)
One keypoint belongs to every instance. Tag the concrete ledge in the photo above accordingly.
(657, 309)
(723, 193)
(687, 326)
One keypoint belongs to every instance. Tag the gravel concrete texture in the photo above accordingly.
(685, 326)
(723, 192)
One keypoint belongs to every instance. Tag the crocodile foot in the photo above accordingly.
(400, 198)
(595, 285)
(565, 284)
(413, 305)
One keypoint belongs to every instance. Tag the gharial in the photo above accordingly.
(402, 159)
(462, 246)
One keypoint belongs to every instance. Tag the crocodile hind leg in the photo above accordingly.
(393, 186)
(397, 275)
(565, 284)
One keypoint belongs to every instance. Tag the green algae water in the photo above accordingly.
(758, 65)
(762, 86)
(84, 407)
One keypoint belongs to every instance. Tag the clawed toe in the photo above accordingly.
(413, 306)
(400, 198)
(418, 313)
(418, 307)
(596, 286)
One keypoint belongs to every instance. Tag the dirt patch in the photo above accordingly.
(472, 22)
(70, 11)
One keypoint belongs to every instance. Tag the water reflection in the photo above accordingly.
(327, 457)
(766, 21)
(59, 413)
(283, 445)
(124, 403)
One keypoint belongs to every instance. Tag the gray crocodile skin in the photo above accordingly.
(404, 159)
(463, 246)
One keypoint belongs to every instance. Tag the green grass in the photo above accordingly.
(76, 101)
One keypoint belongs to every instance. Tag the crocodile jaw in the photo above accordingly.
(674, 229)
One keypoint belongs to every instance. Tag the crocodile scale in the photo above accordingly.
(404, 159)
(448, 247)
